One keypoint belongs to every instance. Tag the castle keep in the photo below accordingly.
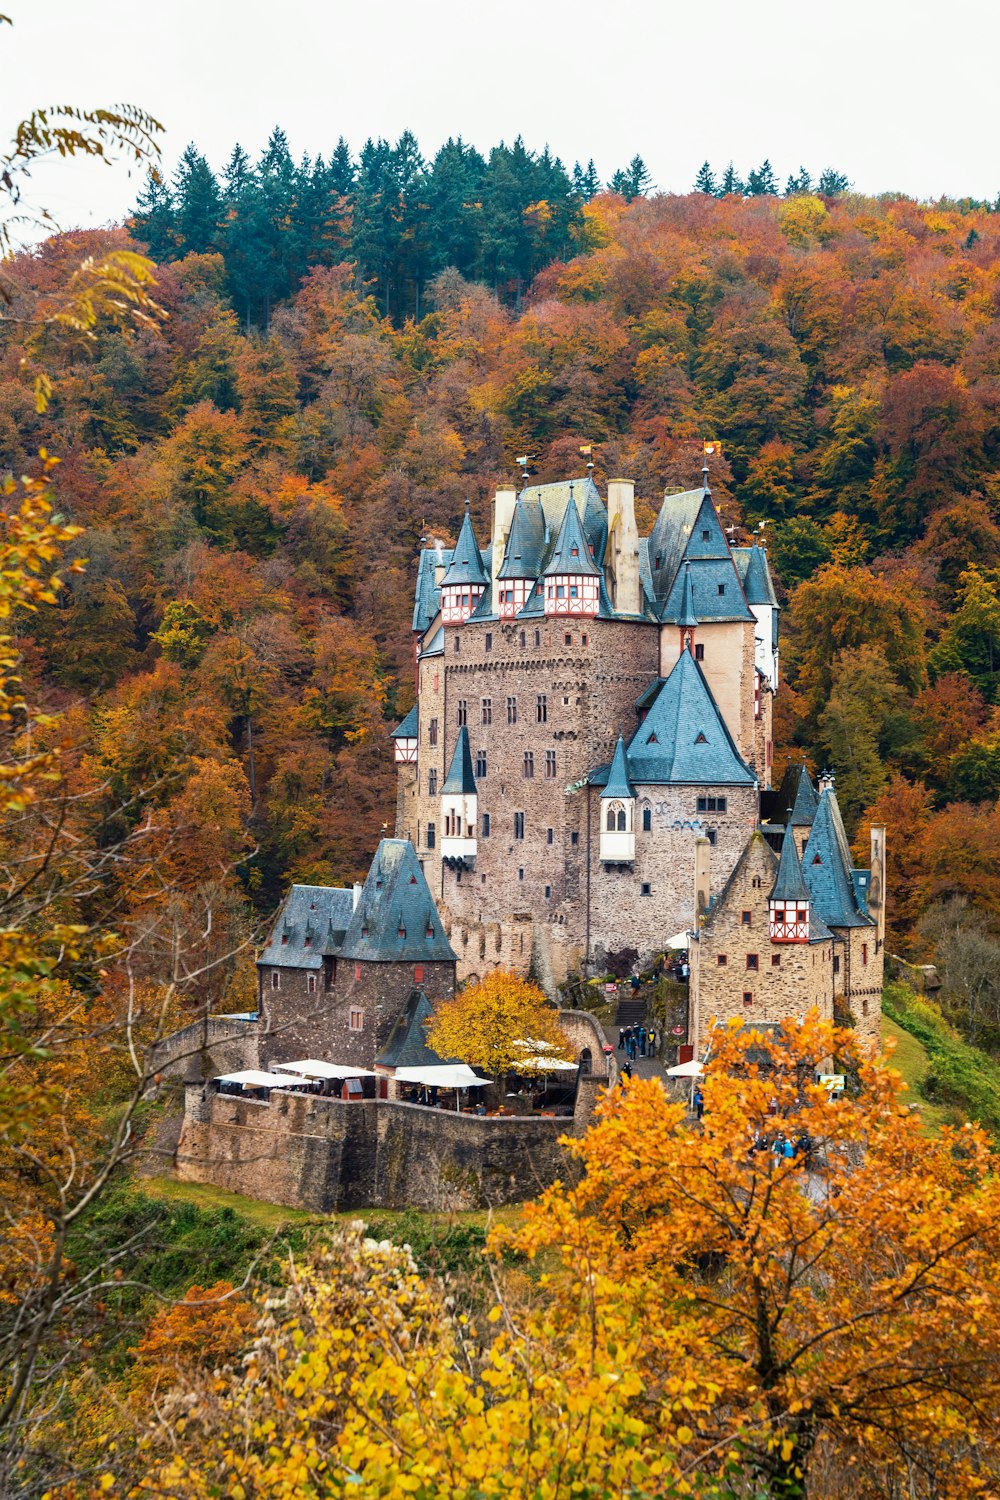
(587, 767)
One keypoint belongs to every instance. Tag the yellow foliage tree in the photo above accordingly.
(501, 1024)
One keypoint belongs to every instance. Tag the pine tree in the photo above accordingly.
(586, 183)
(705, 180)
(237, 235)
(341, 169)
(832, 183)
(454, 190)
(762, 182)
(731, 182)
(154, 219)
(796, 185)
(199, 203)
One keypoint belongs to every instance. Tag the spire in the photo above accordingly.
(789, 884)
(467, 560)
(571, 554)
(523, 552)
(460, 778)
(619, 785)
(687, 618)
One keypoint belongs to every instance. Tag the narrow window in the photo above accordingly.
(567, 640)
(646, 889)
(611, 820)
(710, 835)
(574, 839)
(311, 986)
(548, 892)
(699, 651)
(463, 712)
(748, 997)
(549, 835)
(520, 874)
(511, 710)
(522, 639)
(432, 732)
(647, 819)
(622, 821)
(746, 918)
(458, 644)
(430, 835)
(275, 980)
(722, 960)
(418, 973)
(583, 640)
(775, 960)
(550, 764)
(519, 825)
(864, 953)
(487, 710)
(541, 709)
(432, 783)
(836, 963)
(357, 1019)
(706, 536)
(357, 971)
(480, 764)
(752, 961)
(488, 643)
(722, 588)
(538, 637)
(486, 825)
(529, 764)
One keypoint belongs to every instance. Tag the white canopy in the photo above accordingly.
(546, 1065)
(535, 1045)
(692, 1069)
(314, 1067)
(680, 940)
(253, 1078)
(443, 1076)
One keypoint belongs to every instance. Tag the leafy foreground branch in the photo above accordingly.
(708, 1320)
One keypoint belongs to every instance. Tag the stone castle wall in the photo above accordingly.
(206, 1048)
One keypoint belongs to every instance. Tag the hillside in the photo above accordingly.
(254, 490)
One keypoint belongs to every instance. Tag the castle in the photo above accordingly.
(587, 767)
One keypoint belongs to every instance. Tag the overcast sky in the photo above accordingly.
(899, 94)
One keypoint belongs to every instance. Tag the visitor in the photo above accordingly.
(635, 983)
(621, 1038)
(651, 1041)
(627, 1070)
(699, 1104)
(787, 1149)
(685, 970)
(642, 1041)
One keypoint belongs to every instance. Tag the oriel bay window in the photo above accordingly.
(789, 921)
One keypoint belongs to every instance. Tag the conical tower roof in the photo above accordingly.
(395, 919)
(460, 778)
(757, 583)
(827, 867)
(466, 560)
(684, 739)
(687, 618)
(789, 884)
(619, 785)
(522, 556)
(571, 553)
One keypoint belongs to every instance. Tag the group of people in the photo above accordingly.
(637, 1041)
(783, 1146)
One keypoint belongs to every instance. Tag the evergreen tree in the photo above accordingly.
(762, 182)
(586, 183)
(281, 259)
(153, 220)
(705, 180)
(731, 182)
(199, 203)
(341, 169)
(795, 185)
(832, 183)
(454, 190)
(237, 235)
(639, 178)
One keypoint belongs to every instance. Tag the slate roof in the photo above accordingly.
(396, 912)
(797, 792)
(828, 870)
(670, 536)
(707, 576)
(571, 553)
(460, 778)
(526, 539)
(428, 594)
(466, 560)
(683, 739)
(755, 575)
(618, 783)
(407, 1045)
(687, 616)
(408, 729)
(435, 646)
(554, 498)
(317, 913)
(818, 930)
(788, 883)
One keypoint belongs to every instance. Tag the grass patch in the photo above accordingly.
(910, 1058)
(204, 1196)
(959, 1077)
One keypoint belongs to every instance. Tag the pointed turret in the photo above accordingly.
(828, 870)
(684, 738)
(789, 899)
(522, 559)
(459, 806)
(572, 578)
(618, 812)
(466, 577)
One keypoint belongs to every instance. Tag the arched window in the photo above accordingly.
(621, 820)
(611, 820)
(647, 819)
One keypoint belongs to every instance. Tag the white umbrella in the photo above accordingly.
(692, 1069)
(254, 1078)
(546, 1065)
(455, 1076)
(314, 1067)
(679, 940)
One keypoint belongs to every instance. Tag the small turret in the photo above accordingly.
(463, 584)
(459, 806)
(687, 619)
(572, 579)
(788, 904)
(618, 812)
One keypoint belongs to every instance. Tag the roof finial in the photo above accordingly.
(524, 461)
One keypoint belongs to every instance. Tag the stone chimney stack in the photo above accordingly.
(826, 782)
(503, 514)
(702, 878)
(876, 883)
(356, 894)
(623, 546)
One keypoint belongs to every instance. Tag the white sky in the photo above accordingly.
(899, 94)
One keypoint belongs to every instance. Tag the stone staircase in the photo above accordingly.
(631, 1012)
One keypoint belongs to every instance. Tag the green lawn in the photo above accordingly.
(910, 1058)
(203, 1195)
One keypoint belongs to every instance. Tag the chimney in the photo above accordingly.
(503, 514)
(826, 782)
(702, 878)
(623, 546)
(876, 881)
(356, 895)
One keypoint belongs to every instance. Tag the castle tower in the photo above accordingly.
(518, 571)
(465, 579)
(618, 812)
(788, 904)
(622, 553)
(572, 579)
(459, 806)
(687, 620)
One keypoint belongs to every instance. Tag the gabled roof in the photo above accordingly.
(484, 608)
(395, 919)
(571, 553)
(618, 782)
(684, 737)
(408, 729)
(460, 778)
(525, 547)
(755, 575)
(428, 593)
(312, 920)
(755, 846)
(554, 498)
(466, 560)
(827, 867)
(435, 646)
(715, 587)
(407, 1045)
(788, 883)
(688, 526)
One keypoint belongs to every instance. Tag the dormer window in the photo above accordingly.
(364, 932)
(701, 740)
(574, 552)
(706, 536)
(401, 931)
